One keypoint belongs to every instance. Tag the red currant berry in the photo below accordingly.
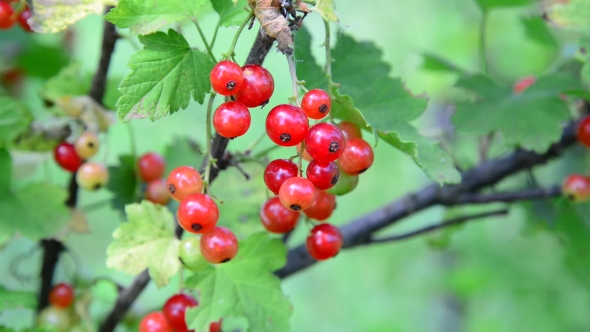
(357, 157)
(350, 130)
(157, 192)
(584, 131)
(231, 119)
(219, 245)
(576, 187)
(277, 171)
(6, 19)
(257, 88)
(175, 308)
(66, 157)
(197, 213)
(151, 166)
(316, 104)
(275, 218)
(297, 193)
(324, 142)
(346, 183)
(323, 175)
(322, 207)
(87, 145)
(523, 84)
(306, 155)
(184, 181)
(155, 322)
(286, 125)
(92, 176)
(23, 19)
(215, 326)
(61, 295)
(324, 242)
(226, 78)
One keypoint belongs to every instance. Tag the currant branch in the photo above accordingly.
(509, 197)
(53, 248)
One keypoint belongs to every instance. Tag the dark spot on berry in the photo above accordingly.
(232, 98)
(335, 179)
(171, 188)
(90, 144)
(230, 85)
(323, 108)
(226, 260)
(264, 103)
(232, 137)
(97, 186)
(196, 227)
(285, 137)
(363, 170)
(295, 207)
(334, 146)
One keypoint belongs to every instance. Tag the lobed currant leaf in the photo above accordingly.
(499, 109)
(15, 119)
(146, 16)
(244, 287)
(165, 74)
(123, 182)
(147, 240)
(13, 299)
(231, 12)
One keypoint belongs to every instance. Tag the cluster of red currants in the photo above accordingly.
(151, 167)
(72, 157)
(9, 16)
(171, 318)
(577, 186)
(58, 314)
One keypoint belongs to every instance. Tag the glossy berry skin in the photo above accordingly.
(357, 157)
(322, 207)
(220, 245)
(277, 171)
(197, 213)
(523, 84)
(297, 193)
(57, 319)
(257, 88)
(286, 125)
(6, 19)
(576, 187)
(92, 176)
(226, 78)
(87, 145)
(189, 253)
(183, 181)
(324, 142)
(316, 104)
(151, 166)
(66, 157)
(155, 322)
(157, 192)
(583, 132)
(324, 242)
(350, 130)
(275, 218)
(231, 119)
(323, 175)
(61, 295)
(22, 19)
(306, 155)
(215, 326)
(175, 308)
(346, 183)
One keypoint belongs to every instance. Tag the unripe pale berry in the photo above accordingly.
(92, 176)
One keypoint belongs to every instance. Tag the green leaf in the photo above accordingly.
(231, 13)
(146, 16)
(183, 151)
(5, 172)
(123, 182)
(36, 211)
(306, 65)
(10, 299)
(69, 81)
(487, 5)
(244, 287)
(166, 73)
(536, 29)
(326, 9)
(499, 109)
(147, 240)
(42, 61)
(15, 119)
(54, 16)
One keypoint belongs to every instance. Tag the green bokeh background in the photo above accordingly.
(495, 275)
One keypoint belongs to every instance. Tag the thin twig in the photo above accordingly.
(446, 223)
(508, 197)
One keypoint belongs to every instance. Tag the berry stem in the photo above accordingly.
(293, 72)
(210, 160)
(255, 143)
(266, 151)
(230, 52)
(482, 42)
(300, 161)
(215, 33)
(207, 46)
(329, 65)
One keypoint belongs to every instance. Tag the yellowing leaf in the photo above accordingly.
(78, 222)
(51, 16)
(326, 9)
